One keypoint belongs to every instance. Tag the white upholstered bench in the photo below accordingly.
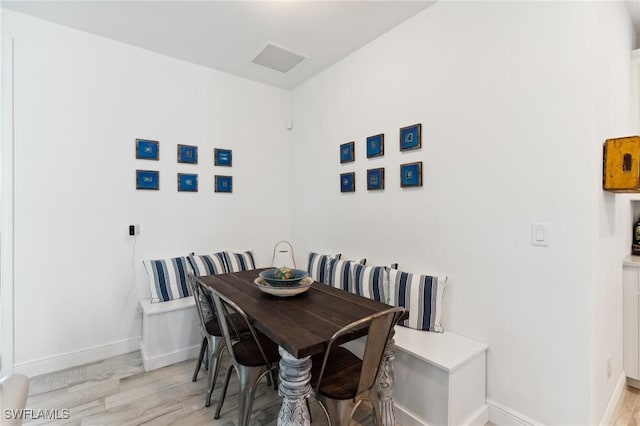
(169, 332)
(440, 378)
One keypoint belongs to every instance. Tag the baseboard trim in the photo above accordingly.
(480, 418)
(162, 360)
(613, 401)
(73, 359)
(502, 416)
(407, 417)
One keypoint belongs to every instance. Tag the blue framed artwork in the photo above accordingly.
(147, 149)
(223, 183)
(375, 145)
(187, 182)
(347, 152)
(375, 179)
(187, 154)
(348, 182)
(148, 179)
(411, 174)
(411, 137)
(222, 157)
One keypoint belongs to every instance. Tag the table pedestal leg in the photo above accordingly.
(294, 389)
(386, 383)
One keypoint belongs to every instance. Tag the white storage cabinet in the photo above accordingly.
(631, 320)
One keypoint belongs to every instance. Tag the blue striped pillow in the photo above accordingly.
(338, 273)
(238, 262)
(370, 281)
(317, 266)
(422, 296)
(167, 279)
(212, 264)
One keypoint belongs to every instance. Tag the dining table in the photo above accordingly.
(301, 326)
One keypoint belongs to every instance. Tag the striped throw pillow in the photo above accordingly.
(167, 279)
(370, 281)
(317, 266)
(238, 262)
(210, 264)
(422, 296)
(338, 273)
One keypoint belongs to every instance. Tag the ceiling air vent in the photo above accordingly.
(278, 58)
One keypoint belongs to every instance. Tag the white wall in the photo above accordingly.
(80, 103)
(6, 208)
(505, 93)
(611, 43)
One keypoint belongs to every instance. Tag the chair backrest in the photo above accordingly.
(283, 252)
(225, 308)
(380, 325)
(14, 390)
(204, 304)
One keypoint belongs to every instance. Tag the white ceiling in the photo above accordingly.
(227, 35)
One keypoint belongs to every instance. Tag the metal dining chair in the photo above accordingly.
(14, 390)
(253, 356)
(341, 381)
(205, 314)
(213, 345)
(283, 255)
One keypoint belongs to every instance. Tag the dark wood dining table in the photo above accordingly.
(302, 325)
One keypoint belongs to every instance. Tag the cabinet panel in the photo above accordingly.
(630, 322)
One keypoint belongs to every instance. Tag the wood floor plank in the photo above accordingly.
(628, 405)
(173, 418)
(62, 399)
(58, 380)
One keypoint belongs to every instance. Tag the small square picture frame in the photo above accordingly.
(222, 157)
(188, 154)
(347, 152)
(148, 180)
(375, 146)
(147, 149)
(375, 179)
(223, 183)
(348, 182)
(187, 182)
(411, 174)
(411, 137)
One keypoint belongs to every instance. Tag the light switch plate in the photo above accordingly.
(540, 234)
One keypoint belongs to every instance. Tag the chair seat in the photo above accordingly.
(213, 327)
(341, 374)
(247, 352)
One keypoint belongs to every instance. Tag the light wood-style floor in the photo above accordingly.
(117, 391)
(627, 411)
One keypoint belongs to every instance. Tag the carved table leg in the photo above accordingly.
(386, 383)
(294, 389)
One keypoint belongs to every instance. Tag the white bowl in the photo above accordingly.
(303, 286)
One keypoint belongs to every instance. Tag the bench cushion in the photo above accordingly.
(370, 281)
(167, 278)
(421, 295)
(317, 266)
(238, 262)
(209, 264)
